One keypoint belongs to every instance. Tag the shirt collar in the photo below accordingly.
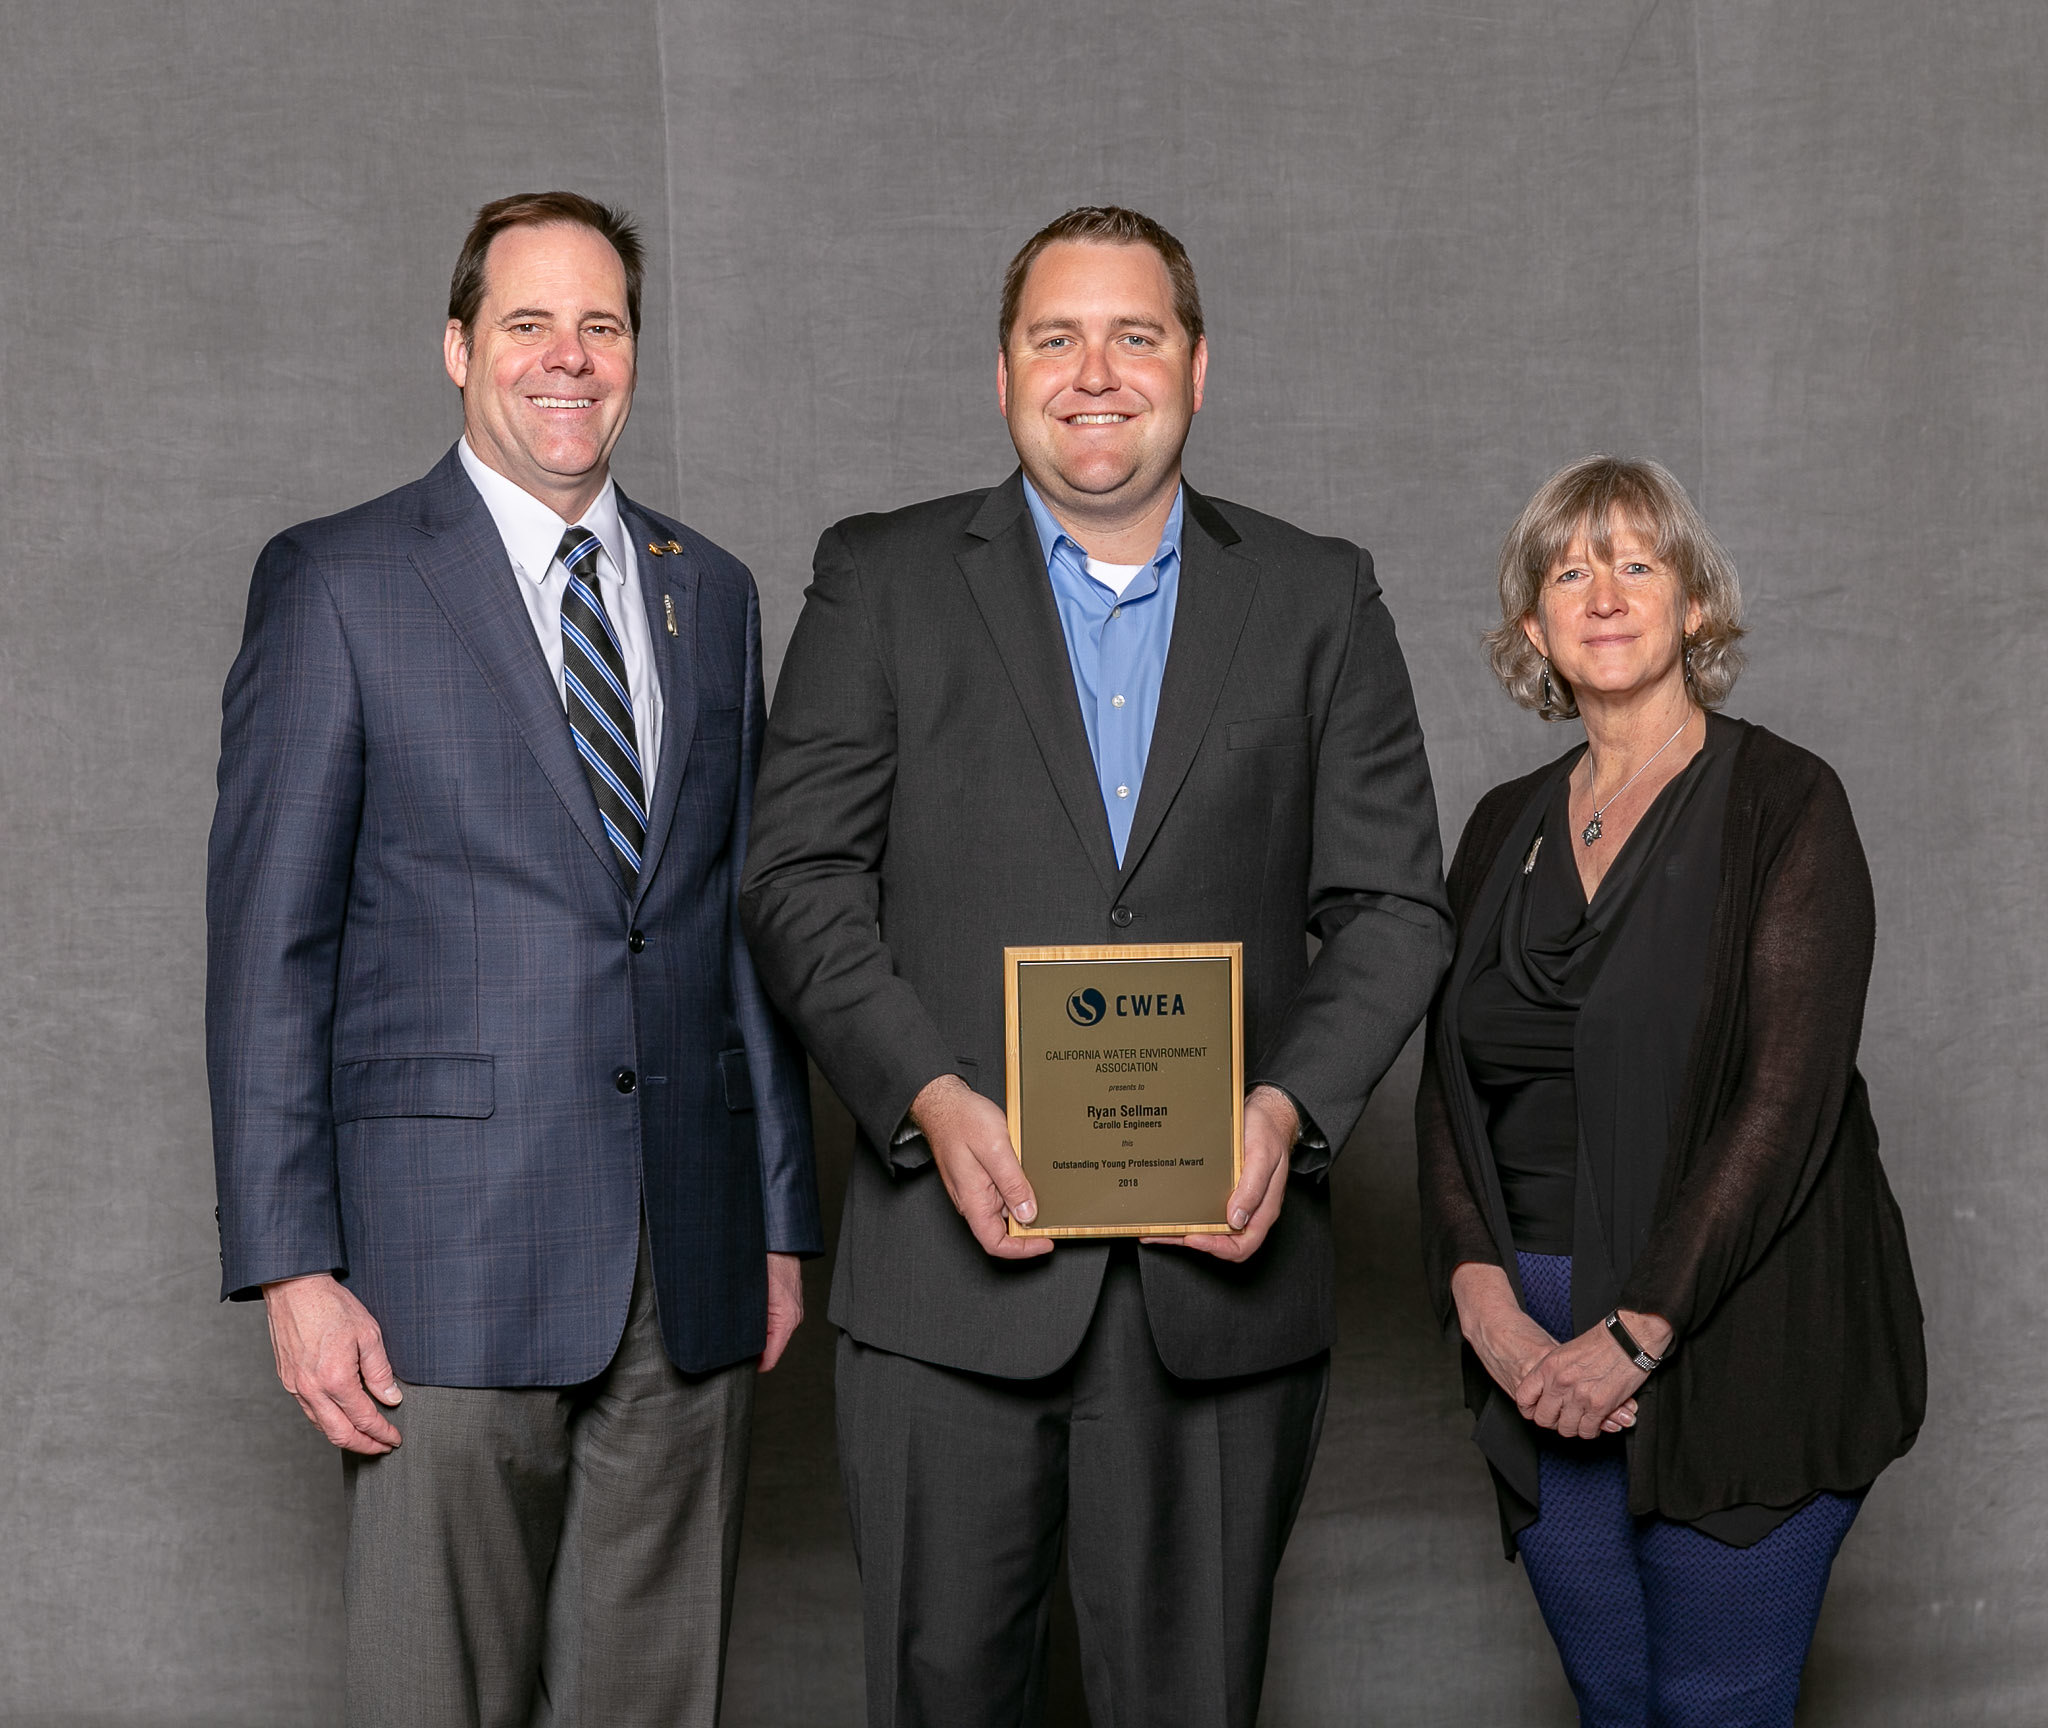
(532, 532)
(1052, 537)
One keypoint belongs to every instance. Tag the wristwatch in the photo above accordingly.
(1629, 1347)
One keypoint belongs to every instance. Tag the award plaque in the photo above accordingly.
(1126, 1085)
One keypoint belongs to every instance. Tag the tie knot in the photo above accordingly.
(579, 548)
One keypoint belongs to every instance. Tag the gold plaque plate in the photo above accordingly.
(1126, 1085)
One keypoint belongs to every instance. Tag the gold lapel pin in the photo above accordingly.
(673, 547)
(654, 546)
(668, 607)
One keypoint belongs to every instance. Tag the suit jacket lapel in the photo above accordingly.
(465, 568)
(669, 581)
(1216, 589)
(1005, 572)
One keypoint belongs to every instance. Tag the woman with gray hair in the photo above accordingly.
(1651, 1193)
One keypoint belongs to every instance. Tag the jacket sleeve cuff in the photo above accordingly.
(1312, 1152)
(243, 1281)
(908, 1149)
(796, 1234)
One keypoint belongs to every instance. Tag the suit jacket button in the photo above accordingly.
(1122, 917)
(636, 942)
(625, 1079)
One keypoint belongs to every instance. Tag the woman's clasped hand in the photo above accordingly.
(1583, 1387)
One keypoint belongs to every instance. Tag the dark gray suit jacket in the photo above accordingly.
(927, 797)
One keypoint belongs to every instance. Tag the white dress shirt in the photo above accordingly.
(532, 532)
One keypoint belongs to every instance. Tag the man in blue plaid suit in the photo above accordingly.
(507, 1137)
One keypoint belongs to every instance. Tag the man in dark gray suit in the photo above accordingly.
(1086, 706)
(500, 1111)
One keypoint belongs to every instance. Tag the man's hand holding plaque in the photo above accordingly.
(970, 1142)
(1271, 1127)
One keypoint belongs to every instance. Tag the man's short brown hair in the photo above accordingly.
(1106, 225)
(535, 210)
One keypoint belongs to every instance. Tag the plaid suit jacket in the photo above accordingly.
(428, 980)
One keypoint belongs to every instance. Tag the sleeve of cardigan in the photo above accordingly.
(1454, 1229)
(1796, 1024)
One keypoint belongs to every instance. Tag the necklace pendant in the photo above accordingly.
(1591, 831)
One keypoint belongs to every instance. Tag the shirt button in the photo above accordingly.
(625, 1079)
(1116, 701)
(1123, 791)
(1116, 611)
(1121, 917)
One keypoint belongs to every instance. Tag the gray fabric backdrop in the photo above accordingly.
(1794, 252)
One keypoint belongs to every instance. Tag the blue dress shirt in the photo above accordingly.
(1117, 650)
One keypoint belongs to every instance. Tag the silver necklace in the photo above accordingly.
(1591, 831)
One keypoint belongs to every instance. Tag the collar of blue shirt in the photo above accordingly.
(1058, 545)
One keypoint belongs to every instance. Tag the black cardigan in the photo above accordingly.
(1776, 1251)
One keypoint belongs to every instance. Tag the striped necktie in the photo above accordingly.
(600, 705)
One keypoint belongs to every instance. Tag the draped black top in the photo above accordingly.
(1520, 1014)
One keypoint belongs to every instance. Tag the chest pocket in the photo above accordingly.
(719, 666)
(718, 690)
(1273, 732)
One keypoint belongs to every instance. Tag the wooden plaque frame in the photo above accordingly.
(1125, 953)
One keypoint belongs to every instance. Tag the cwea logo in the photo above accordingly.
(1087, 1007)
(1143, 1005)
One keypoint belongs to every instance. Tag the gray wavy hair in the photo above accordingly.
(1588, 495)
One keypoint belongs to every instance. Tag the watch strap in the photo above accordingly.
(1629, 1347)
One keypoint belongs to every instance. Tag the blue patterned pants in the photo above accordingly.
(1659, 1625)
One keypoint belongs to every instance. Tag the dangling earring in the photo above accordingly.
(1688, 659)
(1549, 690)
